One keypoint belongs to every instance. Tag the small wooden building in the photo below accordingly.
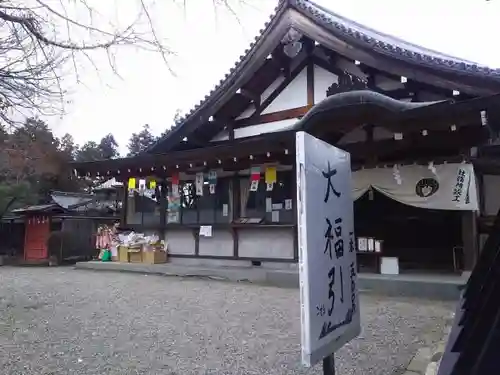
(71, 220)
(415, 122)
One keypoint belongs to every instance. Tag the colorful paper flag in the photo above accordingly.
(255, 173)
(200, 179)
(271, 175)
(212, 177)
(131, 183)
(175, 179)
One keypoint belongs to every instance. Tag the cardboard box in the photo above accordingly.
(123, 254)
(154, 257)
(135, 256)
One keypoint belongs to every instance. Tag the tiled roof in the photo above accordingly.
(352, 32)
(388, 44)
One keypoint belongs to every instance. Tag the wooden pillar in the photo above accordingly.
(469, 239)
(124, 198)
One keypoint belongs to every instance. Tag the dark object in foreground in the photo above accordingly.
(472, 347)
(329, 365)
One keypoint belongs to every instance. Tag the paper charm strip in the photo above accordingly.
(131, 183)
(254, 178)
(142, 185)
(212, 180)
(270, 178)
(200, 179)
(175, 185)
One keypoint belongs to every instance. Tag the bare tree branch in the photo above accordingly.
(41, 39)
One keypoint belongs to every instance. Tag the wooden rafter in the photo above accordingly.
(310, 83)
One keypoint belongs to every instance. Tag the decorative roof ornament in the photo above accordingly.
(291, 43)
(346, 82)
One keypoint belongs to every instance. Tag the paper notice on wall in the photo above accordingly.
(277, 206)
(288, 204)
(212, 189)
(173, 217)
(175, 190)
(225, 209)
(142, 185)
(269, 204)
(254, 185)
(269, 186)
(275, 216)
(206, 231)
(362, 244)
(371, 244)
(199, 184)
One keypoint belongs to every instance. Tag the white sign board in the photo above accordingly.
(327, 250)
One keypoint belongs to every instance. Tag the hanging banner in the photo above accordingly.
(152, 184)
(330, 313)
(175, 179)
(440, 187)
(254, 178)
(131, 183)
(271, 175)
(270, 178)
(142, 185)
(212, 180)
(199, 183)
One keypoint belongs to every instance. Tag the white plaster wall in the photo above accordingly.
(273, 86)
(247, 112)
(323, 79)
(252, 130)
(180, 241)
(388, 84)
(293, 96)
(491, 191)
(220, 244)
(266, 243)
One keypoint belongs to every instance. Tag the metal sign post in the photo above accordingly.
(329, 365)
(327, 255)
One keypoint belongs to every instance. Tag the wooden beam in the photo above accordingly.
(274, 116)
(440, 140)
(255, 98)
(310, 83)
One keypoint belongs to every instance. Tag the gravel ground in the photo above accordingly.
(62, 321)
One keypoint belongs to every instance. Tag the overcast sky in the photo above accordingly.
(208, 42)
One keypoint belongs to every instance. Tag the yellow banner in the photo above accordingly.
(271, 175)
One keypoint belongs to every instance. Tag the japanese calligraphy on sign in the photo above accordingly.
(461, 187)
(327, 256)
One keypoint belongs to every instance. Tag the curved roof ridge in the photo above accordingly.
(389, 45)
